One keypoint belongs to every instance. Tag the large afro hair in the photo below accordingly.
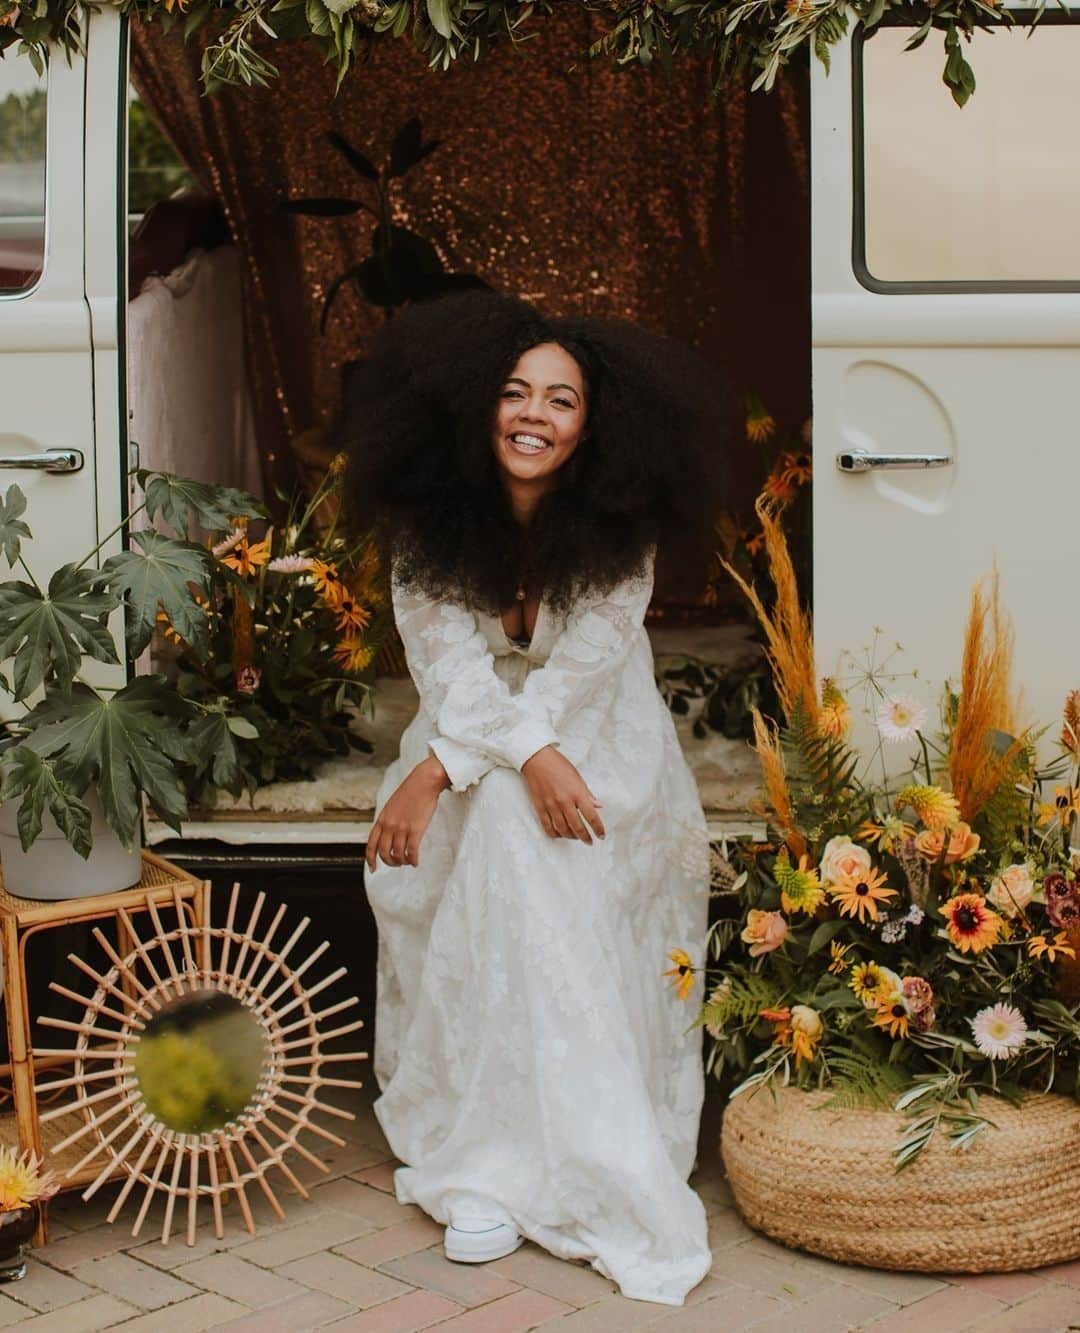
(417, 429)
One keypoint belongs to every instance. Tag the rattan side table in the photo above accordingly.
(20, 920)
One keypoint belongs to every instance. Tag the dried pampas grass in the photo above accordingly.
(788, 636)
(976, 769)
(781, 812)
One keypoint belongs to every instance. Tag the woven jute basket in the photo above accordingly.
(823, 1180)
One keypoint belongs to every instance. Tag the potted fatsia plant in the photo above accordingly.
(77, 763)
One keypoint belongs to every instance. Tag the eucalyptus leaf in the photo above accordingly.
(438, 12)
(824, 934)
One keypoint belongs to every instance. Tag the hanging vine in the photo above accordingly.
(745, 39)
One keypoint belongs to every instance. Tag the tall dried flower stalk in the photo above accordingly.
(788, 636)
(976, 769)
(1070, 723)
(781, 811)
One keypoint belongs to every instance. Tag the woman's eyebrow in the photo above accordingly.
(515, 379)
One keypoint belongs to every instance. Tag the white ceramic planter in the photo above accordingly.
(51, 870)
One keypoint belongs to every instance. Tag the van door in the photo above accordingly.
(62, 252)
(946, 364)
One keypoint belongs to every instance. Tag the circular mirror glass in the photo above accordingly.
(199, 1061)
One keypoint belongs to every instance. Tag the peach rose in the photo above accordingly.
(842, 857)
(1012, 890)
(963, 844)
(765, 931)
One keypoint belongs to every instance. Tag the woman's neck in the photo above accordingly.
(524, 498)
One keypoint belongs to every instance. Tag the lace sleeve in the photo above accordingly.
(591, 650)
(479, 722)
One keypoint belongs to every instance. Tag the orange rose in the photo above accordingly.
(963, 844)
(765, 931)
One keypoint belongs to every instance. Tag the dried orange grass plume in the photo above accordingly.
(975, 769)
(781, 812)
(1070, 722)
(788, 637)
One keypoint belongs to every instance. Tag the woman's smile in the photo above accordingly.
(529, 444)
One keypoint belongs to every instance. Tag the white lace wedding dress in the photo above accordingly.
(534, 1066)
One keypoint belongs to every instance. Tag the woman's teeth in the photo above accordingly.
(530, 444)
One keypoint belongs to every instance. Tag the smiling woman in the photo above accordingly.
(521, 470)
(635, 423)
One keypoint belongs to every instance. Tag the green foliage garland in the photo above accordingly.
(752, 39)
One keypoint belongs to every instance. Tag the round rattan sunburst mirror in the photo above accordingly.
(198, 1064)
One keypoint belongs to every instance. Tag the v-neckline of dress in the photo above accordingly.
(513, 644)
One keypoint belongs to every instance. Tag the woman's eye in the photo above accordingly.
(562, 402)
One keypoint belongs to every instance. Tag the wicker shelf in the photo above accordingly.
(161, 884)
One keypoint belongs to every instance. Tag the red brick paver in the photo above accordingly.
(353, 1260)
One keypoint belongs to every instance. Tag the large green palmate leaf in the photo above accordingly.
(181, 501)
(160, 571)
(35, 780)
(213, 748)
(12, 528)
(123, 744)
(52, 631)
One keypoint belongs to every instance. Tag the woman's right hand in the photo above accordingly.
(403, 820)
(562, 800)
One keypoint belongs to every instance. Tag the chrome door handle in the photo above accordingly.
(859, 460)
(52, 460)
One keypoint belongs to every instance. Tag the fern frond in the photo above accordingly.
(740, 997)
(862, 1079)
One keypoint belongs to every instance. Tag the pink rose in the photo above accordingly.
(1012, 890)
(843, 858)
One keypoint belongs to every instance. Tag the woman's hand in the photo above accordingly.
(566, 806)
(404, 818)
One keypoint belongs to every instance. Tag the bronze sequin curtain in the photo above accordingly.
(586, 189)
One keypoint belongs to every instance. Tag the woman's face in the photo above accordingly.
(541, 414)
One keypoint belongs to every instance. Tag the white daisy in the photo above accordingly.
(290, 564)
(1000, 1031)
(899, 717)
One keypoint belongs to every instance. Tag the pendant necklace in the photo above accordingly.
(520, 594)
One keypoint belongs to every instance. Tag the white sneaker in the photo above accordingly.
(478, 1240)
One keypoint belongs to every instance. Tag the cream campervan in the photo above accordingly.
(946, 331)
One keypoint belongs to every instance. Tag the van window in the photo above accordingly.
(22, 175)
(981, 196)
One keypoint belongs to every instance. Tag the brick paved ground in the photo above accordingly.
(353, 1259)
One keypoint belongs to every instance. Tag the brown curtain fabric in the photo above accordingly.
(586, 189)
